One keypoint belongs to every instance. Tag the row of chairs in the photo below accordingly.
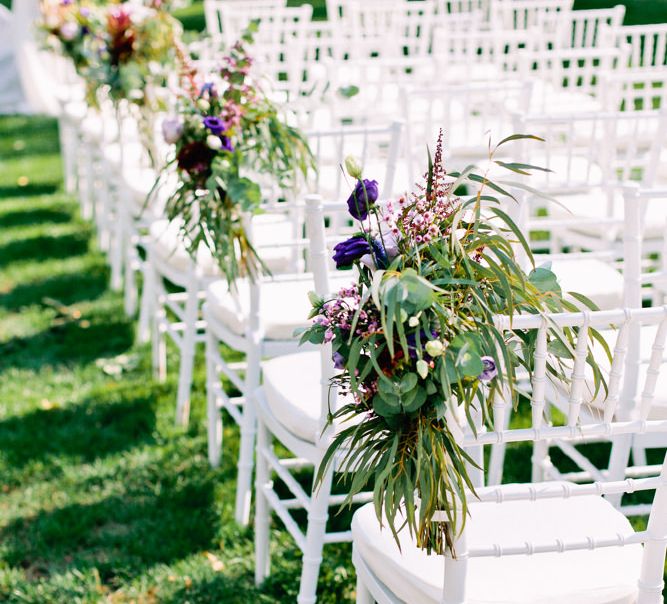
(592, 147)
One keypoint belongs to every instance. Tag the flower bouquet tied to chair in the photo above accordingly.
(230, 141)
(416, 343)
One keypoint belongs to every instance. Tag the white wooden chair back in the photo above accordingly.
(634, 90)
(648, 44)
(367, 91)
(575, 70)
(458, 7)
(594, 28)
(623, 384)
(469, 114)
(376, 147)
(550, 17)
(466, 53)
(592, 149)
(391, 29)
(644, 276)
(254, 9)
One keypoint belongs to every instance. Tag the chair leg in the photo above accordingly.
(148, 294)
(312, 556)
(540, 454)
(213, 410)
(639, 455)
(159, 341)
(363, 595)
(248, 429)
(131, 264)
(117, 242)
(187, 356)
(497, 459)
(262, 511)
(618, 463)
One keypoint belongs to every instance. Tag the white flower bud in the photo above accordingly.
(203, 105)
(422, 368)
(353, 167)
(434, 348)
(213, 142)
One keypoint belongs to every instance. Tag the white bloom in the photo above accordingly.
(214, 142)
(68, 30)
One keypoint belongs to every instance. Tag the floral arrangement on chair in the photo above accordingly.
(415, 342)
(228, 136)
(121, 47)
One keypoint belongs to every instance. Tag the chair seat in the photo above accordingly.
(284, 305)
(292, 390)
(168, 246)
(138, 183)
(593, 278)
(596, 204)
(602, 576)
(267, 229)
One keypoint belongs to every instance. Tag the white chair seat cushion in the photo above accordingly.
(284, 305)
(595, 279)
(602, 576)
(596, 204)
(166, 243)
(267, 229)
(292, 390)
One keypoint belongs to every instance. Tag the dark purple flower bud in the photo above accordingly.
(365, 194)
(490, 370)
(208, 91)
(226, 144)
(346, 252)
(214, 124)
(338, 360)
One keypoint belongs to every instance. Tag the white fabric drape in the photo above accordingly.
(36, 78)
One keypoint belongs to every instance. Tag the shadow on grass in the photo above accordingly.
(113, 420)
(30, 190)
(67, 288)
(34, 217)
(221, 588)
(120, 535)
(44, 247)
(68, 343)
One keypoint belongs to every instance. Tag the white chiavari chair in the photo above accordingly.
(648, 44)
(468, 114)
(568, 80)
(254, 9)
(593, 155)
(464, 52)
(258, 319)
(292, 406)
(520, 538)
(593, 28)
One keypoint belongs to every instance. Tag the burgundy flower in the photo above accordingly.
(195, 158)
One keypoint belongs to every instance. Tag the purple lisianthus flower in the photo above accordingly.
(490, 370)
(338, 360)
(214, 124)
(172, 130)
(365, 194)
(377, 257)
(346, 252)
